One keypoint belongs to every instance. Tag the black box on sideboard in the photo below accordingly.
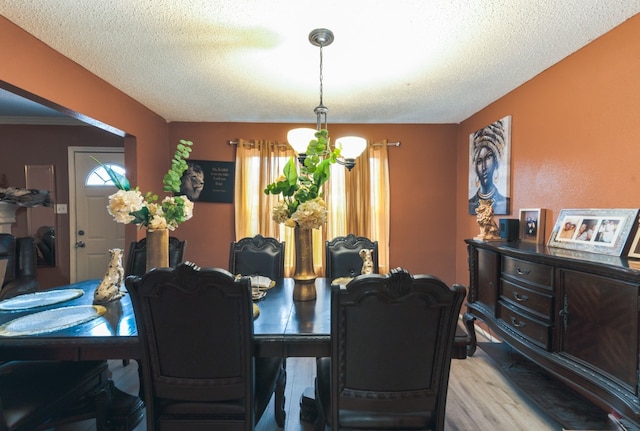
(509, 228)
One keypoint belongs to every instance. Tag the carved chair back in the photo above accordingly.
(257, 255)
(392, 339)
(342, 256)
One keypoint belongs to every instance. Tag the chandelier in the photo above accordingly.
(350, 146)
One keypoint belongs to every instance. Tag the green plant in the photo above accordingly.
(306, 187)
(132, 207)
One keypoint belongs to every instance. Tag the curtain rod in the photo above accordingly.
(389, 144)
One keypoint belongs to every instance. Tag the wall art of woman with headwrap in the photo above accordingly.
(489, 150)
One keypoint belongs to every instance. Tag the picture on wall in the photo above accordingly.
(489, 166)
(208, 181)
(604, 231)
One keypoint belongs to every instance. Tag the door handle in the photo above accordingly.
(80, 244)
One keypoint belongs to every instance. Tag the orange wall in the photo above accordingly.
(422, 190)
(422, 170)
(575, 135)
(574, 138)
(36, 68)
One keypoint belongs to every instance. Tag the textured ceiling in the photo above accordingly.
(419, 61)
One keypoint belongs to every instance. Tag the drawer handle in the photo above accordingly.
(520, 298)
(523, 271)
(517, 323)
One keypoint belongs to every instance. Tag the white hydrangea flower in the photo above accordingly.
(122, 203)
(311, 214)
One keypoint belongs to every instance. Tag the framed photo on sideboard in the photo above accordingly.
(532, 222)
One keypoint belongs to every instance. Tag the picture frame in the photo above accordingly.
(604, 231)
(208, 181)
(532, 222)
(490, 166)
(634, 251)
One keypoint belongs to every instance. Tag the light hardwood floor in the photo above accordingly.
(479, 398)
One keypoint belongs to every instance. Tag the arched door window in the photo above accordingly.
(100, 177)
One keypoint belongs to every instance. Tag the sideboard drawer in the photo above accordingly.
(530, 272)
(530, 300)
(536, 331)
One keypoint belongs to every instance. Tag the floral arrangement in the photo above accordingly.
(130, 206)
(302, 202)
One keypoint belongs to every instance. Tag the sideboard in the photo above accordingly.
(573, 313)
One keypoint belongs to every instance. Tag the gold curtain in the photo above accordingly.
(356, 205)
(259, 163)
(360, 200)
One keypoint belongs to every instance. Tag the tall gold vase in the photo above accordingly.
(157, 249)
(304, 276)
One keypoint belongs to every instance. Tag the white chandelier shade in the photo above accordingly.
(299, 139)
(351, 146)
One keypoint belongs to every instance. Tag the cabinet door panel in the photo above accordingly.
(600, 321)
(488, 273)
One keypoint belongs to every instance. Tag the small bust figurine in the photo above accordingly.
(484, 216)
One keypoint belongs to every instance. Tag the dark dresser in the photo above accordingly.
(573, 313)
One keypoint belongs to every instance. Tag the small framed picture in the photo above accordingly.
(532, 225)
(604, 231)
(634, 251)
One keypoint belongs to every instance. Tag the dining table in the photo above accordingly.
(283, 327)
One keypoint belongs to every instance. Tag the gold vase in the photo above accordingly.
(304, 275)
(157, 249)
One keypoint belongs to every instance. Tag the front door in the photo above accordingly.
(93, 230)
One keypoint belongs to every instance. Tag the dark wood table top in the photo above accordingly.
(284, 328)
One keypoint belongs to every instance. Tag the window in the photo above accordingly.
(99, 176)
(358, 200)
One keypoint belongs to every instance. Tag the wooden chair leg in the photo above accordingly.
(280, 397)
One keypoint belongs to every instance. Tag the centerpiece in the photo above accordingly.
(131, 206)
(303, 208)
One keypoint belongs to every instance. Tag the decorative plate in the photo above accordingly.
(51, 320)
(39, 299)
(342, 281)
(262, 282)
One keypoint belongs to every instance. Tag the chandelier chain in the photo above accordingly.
(321, 76)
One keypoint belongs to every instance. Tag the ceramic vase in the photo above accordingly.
(157, 249)
(304, 275)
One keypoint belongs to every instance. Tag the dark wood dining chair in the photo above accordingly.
(257, 255)
(391, 339)
(137, 257)
(342, 258)
(196, 331)
(19, 276)
(39, 395)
